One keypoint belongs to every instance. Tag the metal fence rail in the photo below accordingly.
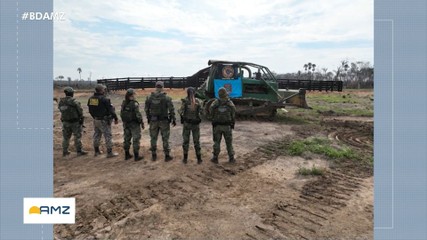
(310, 85)
(115, 84)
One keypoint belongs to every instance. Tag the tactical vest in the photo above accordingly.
(222, 113)
(191, 115)
(158, 105)
(68, 110)
(97, 107)
(128, 111)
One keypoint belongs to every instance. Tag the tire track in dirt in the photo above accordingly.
(298, 218)
(302, 217)
(353, 131)
(184, 189)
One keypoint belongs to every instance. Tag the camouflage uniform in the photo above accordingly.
(223, 114)
(190, 118)
(132, 123)
(72, 121)
(102, 111)
(160, 113)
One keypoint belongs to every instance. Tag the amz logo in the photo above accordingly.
(49, 210)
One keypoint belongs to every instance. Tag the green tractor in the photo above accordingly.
(252, 88)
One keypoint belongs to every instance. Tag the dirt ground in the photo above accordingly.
(262, 196)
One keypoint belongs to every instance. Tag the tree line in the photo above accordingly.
(60, 81)
(359, 74)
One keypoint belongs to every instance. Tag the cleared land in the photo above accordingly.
(305, 175)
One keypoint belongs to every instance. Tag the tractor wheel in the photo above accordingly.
(272, 115)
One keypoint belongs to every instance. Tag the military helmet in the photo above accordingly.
(100, 87)
(68, 90)
(159, 84)
(222, 93)
(130, 91)
(190, 90)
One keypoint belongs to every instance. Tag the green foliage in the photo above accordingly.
(319, 146)
(313, 171)
(296, 148)
(347, 103)
(329, 98)
(359, 112)
(291, 118)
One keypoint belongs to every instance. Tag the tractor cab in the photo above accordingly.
(242, 80)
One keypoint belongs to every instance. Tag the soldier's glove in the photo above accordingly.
(81, 121)
(232, 125)
(182, 120)
(173, 123)
(148, 119)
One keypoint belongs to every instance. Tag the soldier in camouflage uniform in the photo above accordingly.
(103, 112)
(72, 122)
(160, 113)
(132, 124)
(223, 113)
(190, 112)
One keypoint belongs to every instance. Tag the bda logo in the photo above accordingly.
(228, 87)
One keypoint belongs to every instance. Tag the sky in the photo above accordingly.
(131, 38)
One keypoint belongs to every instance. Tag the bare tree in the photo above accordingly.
(330, 76)
(325, 71)
(337, 73)
(80, 73)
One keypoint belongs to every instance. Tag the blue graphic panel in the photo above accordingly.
(400, 132)
(26, 133)
(233, 86)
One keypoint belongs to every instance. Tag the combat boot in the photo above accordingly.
(168, 157)
(65, 153)
(137, 157)
(231, 159)
(153, 156)
(128, 155)
(81, 153)
(111, 154)
(199, 158)
(214, 159)
(185, 158)
(97, 151)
